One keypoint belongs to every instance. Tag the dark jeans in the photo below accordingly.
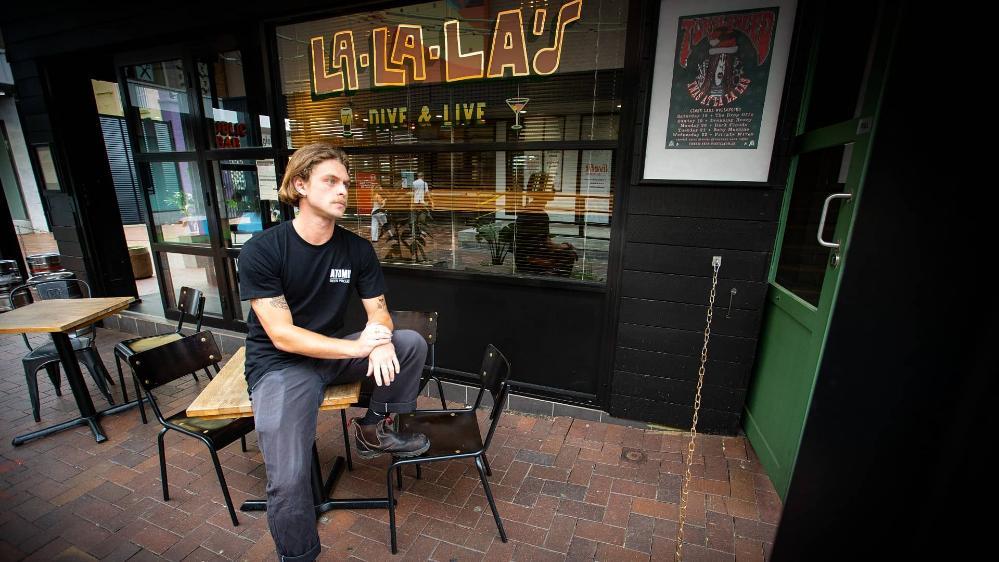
(286, 408)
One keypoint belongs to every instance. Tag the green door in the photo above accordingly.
(825, 185)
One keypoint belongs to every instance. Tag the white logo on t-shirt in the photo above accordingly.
(339, 275)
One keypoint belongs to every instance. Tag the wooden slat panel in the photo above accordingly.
(60, 315)
(702, 233)
(686, 342)
(226, 396)
(691, 290)
(725, 322)
(705, 201)
(682, 367)
(736, 264)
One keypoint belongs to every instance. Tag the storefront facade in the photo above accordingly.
(507, 165)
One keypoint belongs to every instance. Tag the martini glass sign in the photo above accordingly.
(517, 105)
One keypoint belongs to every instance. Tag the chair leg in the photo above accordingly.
(225, 488)
(163, 474)
(242, 442)
(138, 397)
(440, 390)
(346, 439)
(398, 475)
(419, 473)
(391, 506)
(485, 461)
(53, 370)
(32, 381)
(195, 375)
(95, 366)
(121, 379)
(489, 496)
(208, 373)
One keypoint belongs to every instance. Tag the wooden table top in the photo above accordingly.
(226, 395)
(60, 315)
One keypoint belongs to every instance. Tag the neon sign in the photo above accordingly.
(401, 56)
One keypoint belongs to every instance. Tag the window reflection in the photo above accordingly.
(248, 193)
(541, 212)
(533, 213)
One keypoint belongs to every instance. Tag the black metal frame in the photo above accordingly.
(496, 384)
(424, 323)
(123, 350)
(85, 404)
(88, 355)
(150, 370)
(205, 156)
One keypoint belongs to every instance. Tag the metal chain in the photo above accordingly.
(685, 487)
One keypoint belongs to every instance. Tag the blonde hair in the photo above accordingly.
(301, 164)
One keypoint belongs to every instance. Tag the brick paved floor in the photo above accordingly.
(566, 489)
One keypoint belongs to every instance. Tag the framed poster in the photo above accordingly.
(716, 89)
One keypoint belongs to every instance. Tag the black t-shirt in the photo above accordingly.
(315, 280)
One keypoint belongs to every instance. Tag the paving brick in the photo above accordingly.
(613, 553)
(581, 550)
(639, 533)
(530, 553)
(564, 491)
(720, 532)
(739, 508)
(636, 489)
(581, 510)
(562, 487)
(598, 490)
(560, 534)
(748, 550)
(600, 532)
(543, 512)
(653, 508)
(446, 552)
(519, 532)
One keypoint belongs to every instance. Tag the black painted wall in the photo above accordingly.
(894, 457)
(669, 235)
(549, 334)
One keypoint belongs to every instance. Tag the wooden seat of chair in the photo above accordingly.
(226, 396)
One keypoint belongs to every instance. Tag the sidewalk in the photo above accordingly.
(566, 489)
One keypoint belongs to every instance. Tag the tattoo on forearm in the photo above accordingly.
(279, 302)
(380, 301)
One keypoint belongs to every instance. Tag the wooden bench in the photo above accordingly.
(226, 395)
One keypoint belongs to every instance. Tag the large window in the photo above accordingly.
(481, 138)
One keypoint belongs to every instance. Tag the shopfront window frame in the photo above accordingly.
(620, 175)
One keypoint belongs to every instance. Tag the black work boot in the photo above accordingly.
(379, 438)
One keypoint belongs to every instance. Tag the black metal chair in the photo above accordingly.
(83, 340)
(166, 363)
(455, 434)
(425, 324)
(190, 302)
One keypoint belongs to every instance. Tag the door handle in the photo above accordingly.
(822, 220)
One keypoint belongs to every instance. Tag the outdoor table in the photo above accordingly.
(59, 317)
(226, 396)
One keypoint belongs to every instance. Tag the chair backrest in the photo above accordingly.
(50, 290)
(423, 323)
(21, 296)
(494, 374)
(62, 289)
(168, 362)
(66, 289)
(190, 301)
